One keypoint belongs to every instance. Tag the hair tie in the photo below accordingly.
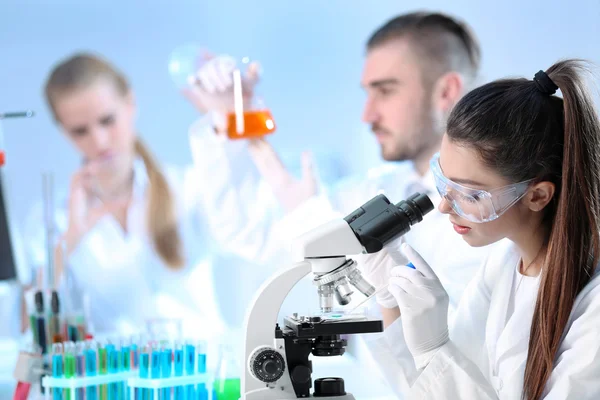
(544, 84)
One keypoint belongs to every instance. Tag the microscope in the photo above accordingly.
(277, 357)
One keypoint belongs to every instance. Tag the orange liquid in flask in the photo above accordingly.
(256, 124)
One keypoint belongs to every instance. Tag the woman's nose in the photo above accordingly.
(444, 206)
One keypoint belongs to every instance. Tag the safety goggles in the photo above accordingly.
(477, 205)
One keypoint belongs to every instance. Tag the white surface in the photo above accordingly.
(72, 383)
(169, 382)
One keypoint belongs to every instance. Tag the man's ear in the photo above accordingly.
(447, 90)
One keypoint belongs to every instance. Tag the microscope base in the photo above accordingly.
(274, 394)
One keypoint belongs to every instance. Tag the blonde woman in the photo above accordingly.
(139, 240)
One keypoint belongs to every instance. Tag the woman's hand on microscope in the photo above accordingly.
(377, 269)
(423, 303)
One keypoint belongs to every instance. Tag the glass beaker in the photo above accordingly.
(249, 118)
(226, 385)
(184, 62)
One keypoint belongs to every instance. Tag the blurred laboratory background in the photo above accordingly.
(311, 54)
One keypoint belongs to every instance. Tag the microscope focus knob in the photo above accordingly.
(267, 365)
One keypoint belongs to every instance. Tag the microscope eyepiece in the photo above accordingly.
(374, 224)
(415, 207)
(378, 221)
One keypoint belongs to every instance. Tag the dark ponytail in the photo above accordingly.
(574, 239)
(522, 131)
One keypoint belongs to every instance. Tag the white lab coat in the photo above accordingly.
(124, 281)
(486, 355)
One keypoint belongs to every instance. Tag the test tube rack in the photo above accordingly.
(49, 382)
(133, 383)
(165, 383)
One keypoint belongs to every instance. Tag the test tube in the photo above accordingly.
(135, 356)
(49, 222)
(54, 322)
(179, 359)
(144, 394)
(70, 364)
(113, 368)
(41, 321)
(190, 367)
(109, 346)
(126, 354)
(72, 332)
(201, 350)
(91, 369)
(33, 325)
(79, 368)
(126, 365)
(57, 369)
(238, 101)
(102, 370)
(155, 363)
(166, 365)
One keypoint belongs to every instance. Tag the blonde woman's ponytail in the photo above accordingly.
(162, 218)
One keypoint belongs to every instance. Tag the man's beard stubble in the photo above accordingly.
(426, 133)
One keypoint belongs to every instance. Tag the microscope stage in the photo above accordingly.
(306, 327)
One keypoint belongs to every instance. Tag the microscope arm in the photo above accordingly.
(262, 318)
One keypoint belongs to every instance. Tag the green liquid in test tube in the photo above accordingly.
(102, 370)
(227, 381)
(70, 370)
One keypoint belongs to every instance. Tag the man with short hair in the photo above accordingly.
(417, 67)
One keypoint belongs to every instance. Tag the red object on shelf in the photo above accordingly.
(22, 390)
